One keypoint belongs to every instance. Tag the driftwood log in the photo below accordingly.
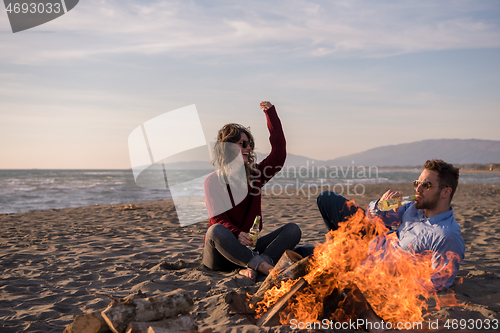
(120, 313)
(88, 323)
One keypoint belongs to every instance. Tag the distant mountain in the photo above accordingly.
(454, 151)
(294, 160)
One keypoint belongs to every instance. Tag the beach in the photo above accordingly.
(53, 260)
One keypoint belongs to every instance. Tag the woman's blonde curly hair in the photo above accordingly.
(223, 154)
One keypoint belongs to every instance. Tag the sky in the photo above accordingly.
(345, 76)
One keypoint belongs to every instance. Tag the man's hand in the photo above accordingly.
(391, 194)
(245, 239)
(265, 105)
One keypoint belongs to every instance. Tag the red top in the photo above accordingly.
(271, 165)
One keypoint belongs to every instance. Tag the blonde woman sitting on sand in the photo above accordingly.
(233, 200)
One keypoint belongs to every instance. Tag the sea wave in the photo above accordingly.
(25, 190)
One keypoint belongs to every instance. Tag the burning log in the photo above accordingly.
(354, 306)
(268, 317)
(343, 305)
(121, 312)
(290, 266)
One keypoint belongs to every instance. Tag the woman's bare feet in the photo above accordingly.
(265, 267)
(250, 273)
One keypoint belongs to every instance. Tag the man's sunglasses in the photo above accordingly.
(425, 184)
(245, 144)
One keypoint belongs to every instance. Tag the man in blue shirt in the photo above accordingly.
(425, 224)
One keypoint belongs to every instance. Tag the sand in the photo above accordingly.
(49, 259)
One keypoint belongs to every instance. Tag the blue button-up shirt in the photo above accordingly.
(417, 233)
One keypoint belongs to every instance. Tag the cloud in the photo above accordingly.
(257, 29)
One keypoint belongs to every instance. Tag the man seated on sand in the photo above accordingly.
(425, 224)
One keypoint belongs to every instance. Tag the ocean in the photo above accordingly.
(27, 190)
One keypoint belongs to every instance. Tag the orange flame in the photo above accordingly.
(395, 282)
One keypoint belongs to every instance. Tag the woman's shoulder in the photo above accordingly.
(213, 184)
(211, 178)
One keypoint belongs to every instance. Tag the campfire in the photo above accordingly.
(350, 276)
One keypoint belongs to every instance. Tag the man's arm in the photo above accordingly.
(448, 256)
(391, 218)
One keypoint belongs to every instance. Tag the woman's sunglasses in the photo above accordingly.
(245, 144)
(425, 184)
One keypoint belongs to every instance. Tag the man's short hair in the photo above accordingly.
(448, 174)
